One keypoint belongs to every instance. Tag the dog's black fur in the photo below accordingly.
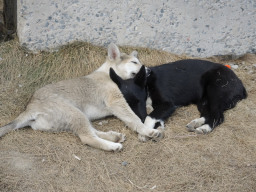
(134, 91)
(213, 87)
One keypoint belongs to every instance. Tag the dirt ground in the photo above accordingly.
(223, 161)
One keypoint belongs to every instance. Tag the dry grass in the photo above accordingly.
(38, 161)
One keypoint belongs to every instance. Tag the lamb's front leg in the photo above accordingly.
(119, 107)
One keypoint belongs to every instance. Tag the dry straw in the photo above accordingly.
(38, 161)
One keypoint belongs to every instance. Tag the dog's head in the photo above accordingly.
(126, 66)
(134, 91)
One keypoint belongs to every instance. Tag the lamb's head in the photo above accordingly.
(126, 66)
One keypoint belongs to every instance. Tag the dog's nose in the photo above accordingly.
(148, 70)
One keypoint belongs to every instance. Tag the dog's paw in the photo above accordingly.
(195, 124)
(150, 122)
(143, 138)
(156, 134)
(161, 135)
(203, 129)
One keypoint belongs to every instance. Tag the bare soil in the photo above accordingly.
(223, 161)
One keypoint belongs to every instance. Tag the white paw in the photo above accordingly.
(119, 137)
(155, 133)
(115, 147)
(149, 109)
(203, 129)
(122, 138)
(150, 122)
(162, 124)
(195, 123)
(149, 105)
(161, 136)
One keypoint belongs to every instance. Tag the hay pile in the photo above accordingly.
(38, 161)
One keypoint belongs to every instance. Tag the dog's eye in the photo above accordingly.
(134, 62)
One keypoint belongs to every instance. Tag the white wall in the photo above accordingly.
(194, 27)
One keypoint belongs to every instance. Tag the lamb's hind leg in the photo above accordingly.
(75, 121)
(88, 135)
(94, 141)
(111, 136)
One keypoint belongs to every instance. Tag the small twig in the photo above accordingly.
(106, 169)
(137, 185)
(76, 157)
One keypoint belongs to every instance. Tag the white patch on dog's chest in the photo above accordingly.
(93, 112)
(149, 105)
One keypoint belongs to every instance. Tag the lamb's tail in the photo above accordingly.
(7, 128)
(21, 121)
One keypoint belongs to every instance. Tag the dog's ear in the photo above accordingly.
(118, 80)
(113, 52)
(134, 54)
(140, 78)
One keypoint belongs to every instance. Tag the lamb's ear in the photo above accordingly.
(140, 78)
(118, 80)
(113, 52)
(134, 54)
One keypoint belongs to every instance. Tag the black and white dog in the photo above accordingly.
(213, 87)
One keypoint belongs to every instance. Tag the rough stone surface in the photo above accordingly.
(194, 27)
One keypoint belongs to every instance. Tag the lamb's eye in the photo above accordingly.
(134, 62)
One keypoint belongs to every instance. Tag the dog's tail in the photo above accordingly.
(21, 121)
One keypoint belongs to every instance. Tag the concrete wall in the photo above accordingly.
(194, 27)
